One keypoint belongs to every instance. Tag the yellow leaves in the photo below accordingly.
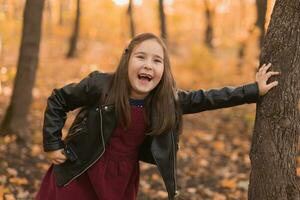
(1, 192)
(18, 181)
(9, 139)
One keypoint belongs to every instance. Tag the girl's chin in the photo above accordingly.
(141, 91)
(143, 82)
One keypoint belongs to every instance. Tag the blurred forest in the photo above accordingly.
(212, 43)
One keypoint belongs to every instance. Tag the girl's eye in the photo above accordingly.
(140, 57)
(157, 61)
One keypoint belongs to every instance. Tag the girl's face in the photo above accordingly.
(145, 68)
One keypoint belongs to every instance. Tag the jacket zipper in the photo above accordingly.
(103, 143)
(174, 160)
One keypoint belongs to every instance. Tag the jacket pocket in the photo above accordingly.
(77, 129)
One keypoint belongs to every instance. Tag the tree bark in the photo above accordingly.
(163, 23)
(74, 38)
(277, 125)
(209, 25)
(131, 21)
(15, 120)
(261, 9)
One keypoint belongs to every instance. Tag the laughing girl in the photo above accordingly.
(132, 114)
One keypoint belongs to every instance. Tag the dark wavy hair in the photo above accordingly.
(160, 104)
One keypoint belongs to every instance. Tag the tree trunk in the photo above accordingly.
(209, 25)
(61, 12)
(15, 117)
(261, 9)
(130, 14)
(243, 41)
(163, 23)
(49, 15)
(275, 138)
(74, 38)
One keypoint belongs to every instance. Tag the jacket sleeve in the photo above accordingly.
(63, 100)
(201, 100)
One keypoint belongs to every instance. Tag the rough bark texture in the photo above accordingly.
(209, 25)
(130, 14)
(15, 117)
(74, 38)
(163, 26)
(261, 8)
(276, 131)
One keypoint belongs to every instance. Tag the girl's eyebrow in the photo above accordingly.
(144, 53)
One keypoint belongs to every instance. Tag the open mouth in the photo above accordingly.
(144, 76)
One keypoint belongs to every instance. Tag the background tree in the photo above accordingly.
(15, 117)
(74, 38)
(163, 23)
(276, 130)
(131, 20)
(261, 9)
(209, 24)
(61, 12)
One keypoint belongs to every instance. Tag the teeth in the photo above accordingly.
(149, 77)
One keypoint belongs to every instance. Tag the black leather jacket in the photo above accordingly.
(96, 121)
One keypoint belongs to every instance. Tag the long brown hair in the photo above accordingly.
(161, 103)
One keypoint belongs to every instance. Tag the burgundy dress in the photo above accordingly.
(115, 176)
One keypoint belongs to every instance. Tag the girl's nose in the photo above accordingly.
(148, 65)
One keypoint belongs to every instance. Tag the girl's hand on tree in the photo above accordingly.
(57, 157)
(262, 77)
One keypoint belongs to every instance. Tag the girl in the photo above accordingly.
(130, 115)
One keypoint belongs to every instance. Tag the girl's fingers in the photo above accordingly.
(273, 84)
(269, 74)
(61, 155)
(261, 67)
(265, 69)
(58, 161)
(55, 162)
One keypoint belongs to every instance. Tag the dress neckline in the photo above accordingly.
(137, 102)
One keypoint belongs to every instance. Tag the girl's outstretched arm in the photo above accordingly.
(202, 100)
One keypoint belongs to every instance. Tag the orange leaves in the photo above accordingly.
(298, 171)
(219, 146)
(228, 183)
(18, 181)
(14, 179)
